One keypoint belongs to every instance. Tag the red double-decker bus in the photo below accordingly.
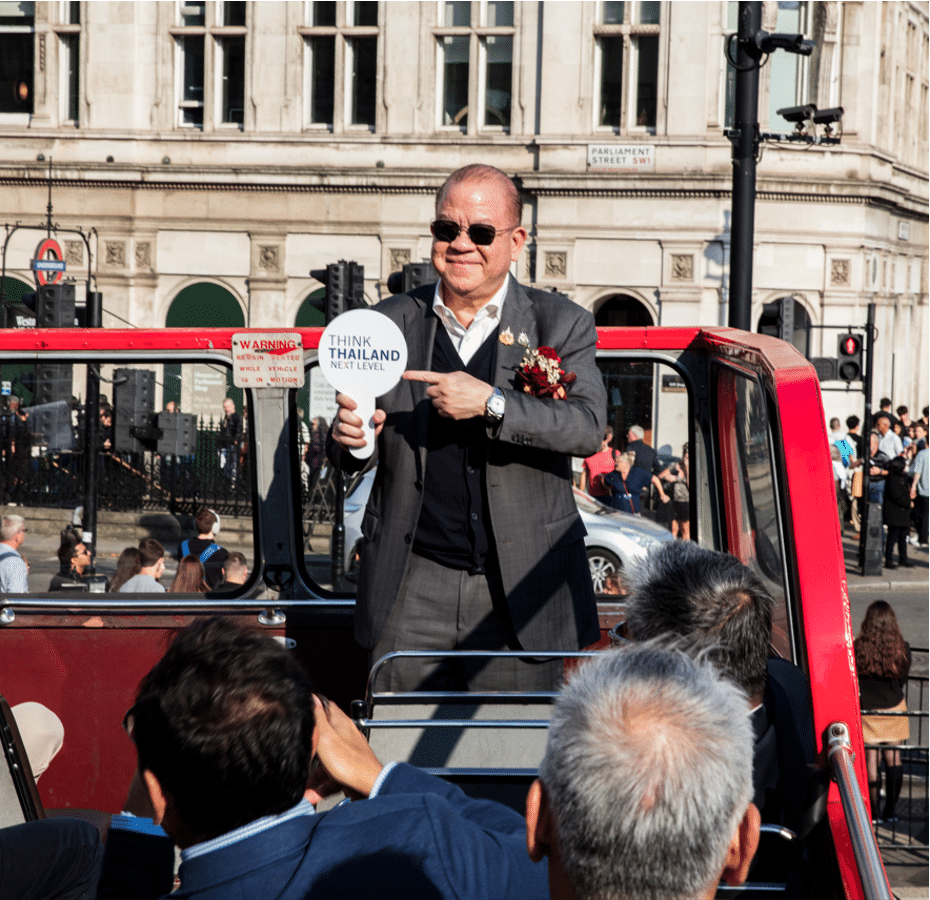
(761, 489)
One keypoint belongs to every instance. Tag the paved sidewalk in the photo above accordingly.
(890, 579)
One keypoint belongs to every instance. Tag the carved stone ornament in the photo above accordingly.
(116, 254)
(269, 258)
(399, 259)
(143, 255)
(41, 52)
(556, 264)
(682, 267)
(74, 253)
(839, 271)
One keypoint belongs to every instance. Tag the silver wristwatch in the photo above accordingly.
(494, 409)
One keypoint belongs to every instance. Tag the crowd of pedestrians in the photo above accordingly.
(892, 471)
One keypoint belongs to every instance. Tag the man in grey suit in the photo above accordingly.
(472, 536)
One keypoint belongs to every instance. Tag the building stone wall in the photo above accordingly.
(254, 207)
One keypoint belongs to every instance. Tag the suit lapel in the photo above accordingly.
(517, 319)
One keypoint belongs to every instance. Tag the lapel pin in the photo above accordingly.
(506, 337)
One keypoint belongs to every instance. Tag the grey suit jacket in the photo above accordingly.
(535, 523)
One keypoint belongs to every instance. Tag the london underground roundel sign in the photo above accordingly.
(49, 262)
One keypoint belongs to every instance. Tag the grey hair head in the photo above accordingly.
(648, 769)
(706, 598)
(637, 432)
(11, 526)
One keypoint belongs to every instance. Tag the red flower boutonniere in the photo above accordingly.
(542, 375)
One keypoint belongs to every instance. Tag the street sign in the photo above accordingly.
(48, 262)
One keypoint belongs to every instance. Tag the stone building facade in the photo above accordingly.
(217, 152)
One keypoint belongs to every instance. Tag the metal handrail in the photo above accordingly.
(471, 654)
(865, 849)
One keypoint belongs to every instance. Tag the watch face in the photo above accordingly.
(496, 404)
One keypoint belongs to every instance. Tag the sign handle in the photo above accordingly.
(365, 411)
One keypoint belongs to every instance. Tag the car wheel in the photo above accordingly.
(602, 563)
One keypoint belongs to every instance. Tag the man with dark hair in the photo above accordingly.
(469, 453)
(853, 436)
(884, 409)
(73, 558)
(205, 548)
(227, 733)
(714, 604)
(645, 787)
(153, 566)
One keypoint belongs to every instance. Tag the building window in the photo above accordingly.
(480, 32)
(17, 53)
(627, 55)
(210, 41)
(341, 64)
(789, 73)
(68, 32)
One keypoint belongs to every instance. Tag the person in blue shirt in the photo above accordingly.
(626, 483)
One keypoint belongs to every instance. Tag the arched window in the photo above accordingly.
(787, 319)
(202, 305)
(623, 311)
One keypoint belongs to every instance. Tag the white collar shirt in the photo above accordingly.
(890, 444)
(467, 340)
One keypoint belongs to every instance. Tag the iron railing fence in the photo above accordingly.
(910, 829)
(216, 474)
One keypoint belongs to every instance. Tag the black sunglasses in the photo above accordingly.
(481, 235)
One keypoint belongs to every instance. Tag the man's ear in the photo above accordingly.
(742, 848)
(156, 795)
(540, 827)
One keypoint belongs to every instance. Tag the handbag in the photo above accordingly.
(855, 488)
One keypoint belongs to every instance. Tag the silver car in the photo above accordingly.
(615, 540)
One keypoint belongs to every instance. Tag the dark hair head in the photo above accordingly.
(189, 577)
(885, 401)
(69, 540)
(880, 648)
(205, 520)
(708, 598)
(225, 722)
(151, 551)
(481, 172)
(901, 411)
(852, 422)
(128, 564)
(897, 466)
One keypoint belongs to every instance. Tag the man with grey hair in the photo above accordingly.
(646, 457)
(13, 572)
(645, 788)
(714, 604)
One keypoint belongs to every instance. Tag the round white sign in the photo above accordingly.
(363, 354)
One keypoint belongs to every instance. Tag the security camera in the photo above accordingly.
(828, 116)
(799, 114)
(793, 43)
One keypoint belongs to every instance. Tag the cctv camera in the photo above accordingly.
(798, 114)
(793, 43)
(827, 116)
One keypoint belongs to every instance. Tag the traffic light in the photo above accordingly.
(355, 297)
(52, 304)
(849, 357)
(413, 275)
(336, 278)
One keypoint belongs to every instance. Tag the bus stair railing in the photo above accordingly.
(865, 848)
(489, 743)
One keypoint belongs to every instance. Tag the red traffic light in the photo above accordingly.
(850, 345)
